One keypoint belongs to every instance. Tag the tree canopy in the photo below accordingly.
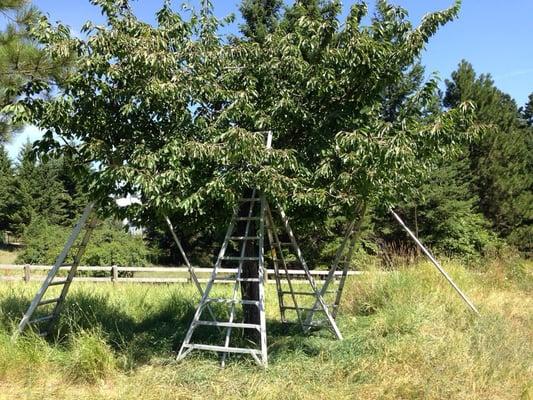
(177, 112)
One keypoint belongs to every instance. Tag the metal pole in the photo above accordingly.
(192, 274)
(435, 263)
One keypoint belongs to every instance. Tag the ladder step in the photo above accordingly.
(228, 324)
(240, 258)
(305, 293)
(231, 301)
(222, 349)
(302, 308)
(42, 319)
(228, 279)
(44, 302)
(244, 238)
(62, 282)
(247, 218)
(249, 199)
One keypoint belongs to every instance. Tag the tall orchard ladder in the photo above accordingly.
(247, 240)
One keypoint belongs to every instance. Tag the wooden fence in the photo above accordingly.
(29, 273)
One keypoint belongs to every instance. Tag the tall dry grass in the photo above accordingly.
(407, 336)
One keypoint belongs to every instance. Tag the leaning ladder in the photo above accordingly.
(86, 224)
(72, 249)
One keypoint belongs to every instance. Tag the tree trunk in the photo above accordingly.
(250, 290)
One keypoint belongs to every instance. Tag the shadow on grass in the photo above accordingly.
(156, 333)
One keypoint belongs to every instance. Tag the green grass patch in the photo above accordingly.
(407, 336)
(8, 256)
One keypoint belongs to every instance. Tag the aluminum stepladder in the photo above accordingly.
(74, 249)
(259, 211)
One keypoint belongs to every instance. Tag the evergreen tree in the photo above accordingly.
(527, 111)
(8, 192)
(20, 57)
(46, 189)
(501, 160)
(261, 18)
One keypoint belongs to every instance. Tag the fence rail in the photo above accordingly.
(116, 274)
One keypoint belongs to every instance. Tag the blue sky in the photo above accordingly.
(496, 36)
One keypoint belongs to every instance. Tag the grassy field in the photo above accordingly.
(7, 256)
(407, 336)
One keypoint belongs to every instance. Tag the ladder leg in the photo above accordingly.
(435, 263)
(262, 314)
(344, 275)
(331, 273)
(192, 274)
(273, 253)
(355, 226)
(72, 273)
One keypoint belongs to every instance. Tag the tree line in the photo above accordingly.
(475, 200)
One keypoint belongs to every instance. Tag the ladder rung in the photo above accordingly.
(223, 349)
(248, 199)
(302, 308)
(233, 279)
(244, 238)
(247, 279)
(240, 258)
(42, 319)
(59, 282)
(304, 293)
(67, 265)
(247, 218)
(231, 301)
(42, 303)
(229, 324)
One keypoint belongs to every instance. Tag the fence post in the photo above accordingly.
(114, 273)
(26, 273)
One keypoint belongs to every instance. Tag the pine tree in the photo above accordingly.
(501, 160)
(6, 180)
(46, 189)
(261, 18)
(527, 111)
(20, 57)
